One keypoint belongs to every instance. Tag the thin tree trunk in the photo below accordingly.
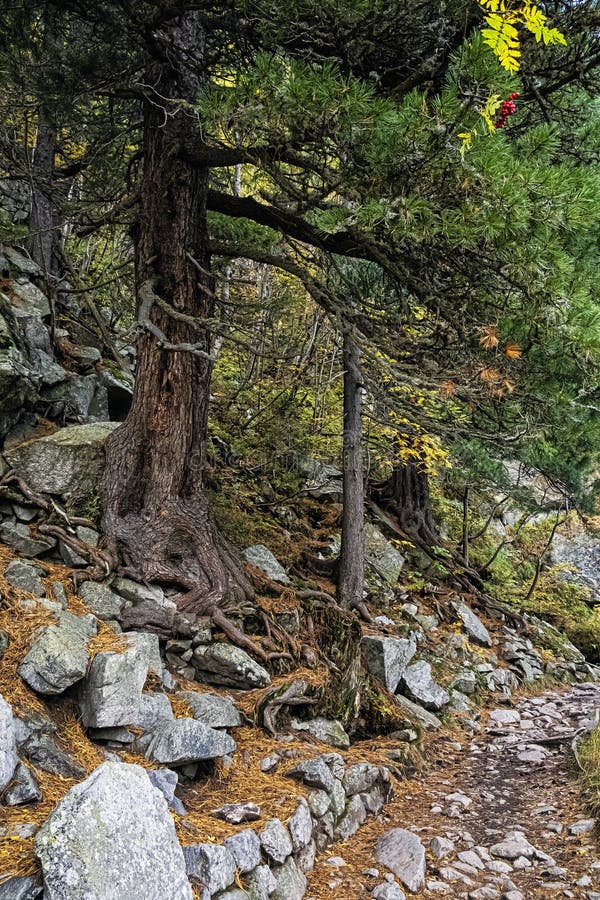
(44, 241)
(156, 517)
(465, 526)
(351, 572)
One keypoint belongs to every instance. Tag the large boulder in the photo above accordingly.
(388, 657)
(225, 664)
(58, 657)
(112, 836)
(112, 692)
(8, 744)
(184, 741)
(68, 463)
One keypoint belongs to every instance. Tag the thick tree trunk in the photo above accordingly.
(156, 519)
(406, 494)
(44, 240)
(407, 491)
(351, 572)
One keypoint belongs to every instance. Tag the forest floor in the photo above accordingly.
(507, 805)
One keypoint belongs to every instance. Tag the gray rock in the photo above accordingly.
(305, 858)
(112, 692)
(300, 826)
(213, 710)
(118, 734)
(23, 787)
(360, 777)
(505, 717)
(423, 716)
(41, 750)
(90, 845)
(441, 847)
(388, 892)
(353, 817)
(210, 865)
(70, 557)
(261, 883)
(584, 826)
(69, 462)
(315, 773)
(319, 803)
(47, 369)
(403, 853)
(328, 731)
(139, 593)
(228, 665)
(514, 846)
(322, 480)
(58, 657)
(103, 602)
(184, 741)
(165, 780)
(387, 658)
(276, 841)
(87, 535)
(8, 744)
(260, 556)
(27, 887)
(291, 881)
(465, 681)
(472, 623)
(236, 813)
(382, 556)
(418, 681)
(21, 264)
(27, 300)
(25, 576)
(19, 537)
(154, 708)
(245, 849)
(338, 798)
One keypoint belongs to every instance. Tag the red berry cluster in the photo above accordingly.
(507, 110)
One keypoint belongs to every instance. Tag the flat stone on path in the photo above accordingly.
(403, 854)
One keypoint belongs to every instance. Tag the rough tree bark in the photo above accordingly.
(406, 492)
(406, 495)
(351, 570)
(44, 241)
(156, 523)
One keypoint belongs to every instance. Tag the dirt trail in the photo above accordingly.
(507, 810)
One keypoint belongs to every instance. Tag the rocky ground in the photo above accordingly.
(499, 816)
(119, 717)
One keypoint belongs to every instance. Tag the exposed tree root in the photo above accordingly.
(274, 701)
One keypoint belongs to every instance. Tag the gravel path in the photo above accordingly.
(503, 819)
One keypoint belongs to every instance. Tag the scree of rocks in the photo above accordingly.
(501, 818)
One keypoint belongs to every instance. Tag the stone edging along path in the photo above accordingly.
(501, 818)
